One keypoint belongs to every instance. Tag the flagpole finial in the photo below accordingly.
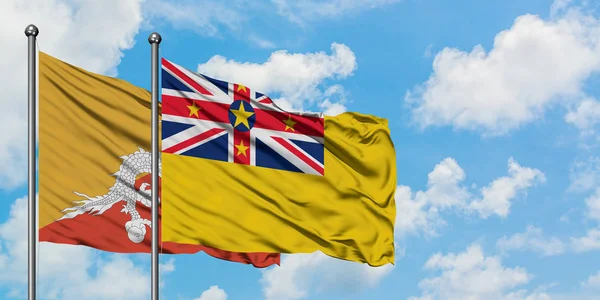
(154, 38)
(32, 30)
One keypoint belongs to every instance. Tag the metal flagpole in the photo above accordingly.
(31, 32)
(154, 39)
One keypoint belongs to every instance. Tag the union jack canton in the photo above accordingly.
(207, 118)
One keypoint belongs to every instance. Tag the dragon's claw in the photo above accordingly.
(136, 229)
(145, 194)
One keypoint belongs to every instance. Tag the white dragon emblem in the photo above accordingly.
(133, 165)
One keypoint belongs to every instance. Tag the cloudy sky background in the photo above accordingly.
(492, 107)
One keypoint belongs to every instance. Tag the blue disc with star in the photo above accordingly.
(241, 115)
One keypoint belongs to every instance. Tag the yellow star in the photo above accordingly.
(241, 148)
(241, 116)
(193, 109)
(241, 88)
(289, 124)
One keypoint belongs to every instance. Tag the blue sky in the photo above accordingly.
(492, 109)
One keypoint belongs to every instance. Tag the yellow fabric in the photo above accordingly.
(86, 123)
(349, 213)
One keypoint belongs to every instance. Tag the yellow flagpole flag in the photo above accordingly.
(241, 174)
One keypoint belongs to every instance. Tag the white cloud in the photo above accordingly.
(300, 275)
(593, 205)
(332, 109)
(445, 191)
(591, 241)
(213, 293)
(261, 42)
(296, 77)
(593, 282)
(201, 16)
(332, 103)
(559, 6)
(472, 275)
(78, 32)
(167, 267)
(497, 196)
(420, 212)
(428, 52)
(587, 243)
(301, 11)
(164, 269)
(415, 214)
(532, 239)
(585, 175)
(235, 17)
(585, 116)
(65, 271)
(532, 66)
(523, 295)
(212, 18)
(117, 278)
(335, 101)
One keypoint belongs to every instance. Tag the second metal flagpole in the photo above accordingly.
(154, 39)
(31, 32)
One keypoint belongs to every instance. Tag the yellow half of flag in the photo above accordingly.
(348, 213)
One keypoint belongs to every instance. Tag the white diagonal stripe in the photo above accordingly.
(305, 153)
(261, 132)
(293, 159)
